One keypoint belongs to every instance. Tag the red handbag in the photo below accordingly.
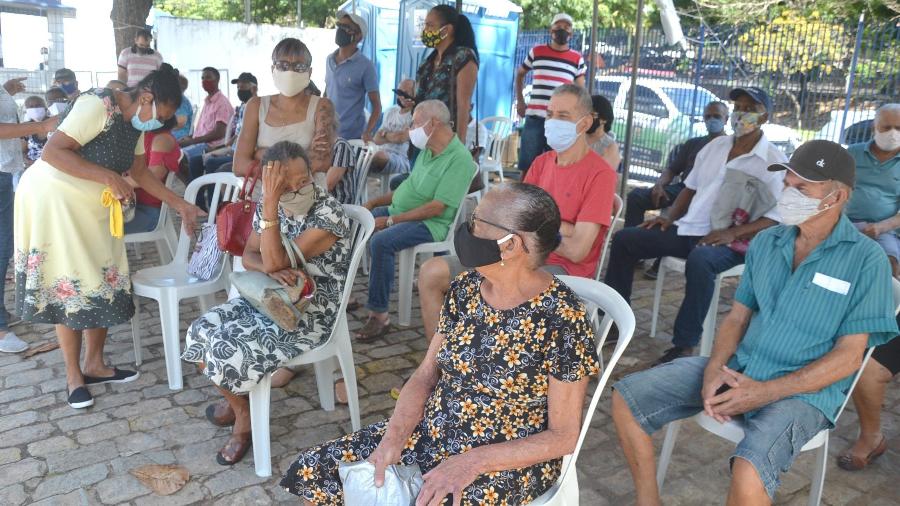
(234, 220)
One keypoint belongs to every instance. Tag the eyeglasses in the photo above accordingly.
(285, 66)
(347, 28)
(471, 225)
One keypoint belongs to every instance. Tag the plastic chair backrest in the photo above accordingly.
(618, 208)
(227, 188)
(357, 143)
(164, 208)
(362, 166)
(361, 229)
(499, 128)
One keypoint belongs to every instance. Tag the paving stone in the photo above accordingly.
(12, 421)
(189, 396)
(64, 483)
(20, 471)
(24, 435)
(186, 433)
(250, 496)
(13, 495)
(136, 442)
(8, 395)
(120, 489)
(232, 479)
(190, 494)
(32, 377)
(122, 465)
(8, 455)
(81, 456)
(103, 432)
(140, 408)
(50, 446)
(81, 421)
(32, 403)
(158, 419)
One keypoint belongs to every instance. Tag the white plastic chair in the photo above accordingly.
(170, 283)
(336, 347)
(734, 431)
(594, 294)
(618, 208)
(163, 235)
(709, 324)
(499, 128)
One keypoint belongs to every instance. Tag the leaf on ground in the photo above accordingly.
(162, 479)
(48, 346)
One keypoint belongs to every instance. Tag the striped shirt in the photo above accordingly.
(343, 155)
(551, 68)
(842, 288)
(138, 65)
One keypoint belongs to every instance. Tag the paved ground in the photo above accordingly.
(52, 454)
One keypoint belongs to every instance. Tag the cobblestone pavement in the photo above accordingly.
(52, 454)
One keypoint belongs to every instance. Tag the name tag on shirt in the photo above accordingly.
(832, 284)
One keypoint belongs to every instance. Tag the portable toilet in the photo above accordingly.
(380, 45)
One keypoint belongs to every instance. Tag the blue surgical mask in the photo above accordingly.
(146, 126)
(68, 88)
(561, 134)
(715, 125)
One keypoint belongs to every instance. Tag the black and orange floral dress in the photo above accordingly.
(495, 370)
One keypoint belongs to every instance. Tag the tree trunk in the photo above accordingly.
(128, 16)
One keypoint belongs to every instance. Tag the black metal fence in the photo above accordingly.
(825, 77)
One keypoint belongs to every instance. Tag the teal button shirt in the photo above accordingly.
(843, 287)
(876, 195)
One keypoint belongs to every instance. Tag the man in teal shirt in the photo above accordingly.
(421, 209)
(875, 202)
(812, 298)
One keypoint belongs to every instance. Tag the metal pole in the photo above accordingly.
(629, 122)
(248, 15)
(852, 75)
(698, 70)
(459, 4)
(300, 13)
(593, 51)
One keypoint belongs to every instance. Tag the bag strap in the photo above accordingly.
(254, 177)
(295, 255)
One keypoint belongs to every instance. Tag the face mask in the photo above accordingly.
(795, 207)
(146, 126)
(888, 141)
(35, 113)
(57, 108)
(244, 95)
(744, 123)
(561, 134)
(290, 83)
(298, 203)
(342, 38)
(209, 86)
(68, 88)
(561, 36)
(432, 38)
(715, 126)
(418, 137)
(474, 251)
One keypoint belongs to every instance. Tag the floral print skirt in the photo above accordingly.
(69, 269)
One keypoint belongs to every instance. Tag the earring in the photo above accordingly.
(502, 263)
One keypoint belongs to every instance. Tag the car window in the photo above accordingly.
(648, 102)
(690, 101)
(608, 89)
(858, 132)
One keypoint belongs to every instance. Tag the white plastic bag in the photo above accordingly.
(400, 488)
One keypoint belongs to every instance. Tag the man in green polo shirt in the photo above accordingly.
(421, 209)
(814, 295)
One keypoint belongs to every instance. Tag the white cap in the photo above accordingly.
(357, 20)
(562, 16)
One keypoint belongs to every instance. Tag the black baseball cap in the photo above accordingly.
(756, 93)
(819, 161)
(245, 77)
(64, 75)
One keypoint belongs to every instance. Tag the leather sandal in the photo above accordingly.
(372, 331)
(220, 414)
(849, 462)
(234, 450)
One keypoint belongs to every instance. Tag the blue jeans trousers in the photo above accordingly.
(639, 202)
(532, 142)
(194, 154)
(383, 247)
(7, 199)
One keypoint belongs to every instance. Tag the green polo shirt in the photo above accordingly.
(445, 177)
(876, 194)
(843, 287)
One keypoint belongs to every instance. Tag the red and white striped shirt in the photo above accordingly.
(551, 68)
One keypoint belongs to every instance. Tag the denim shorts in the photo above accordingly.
(773, 435)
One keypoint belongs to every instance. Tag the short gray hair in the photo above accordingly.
(435, 109)
(532, 212)
(284, 151)
(585, 105)
(891, 107)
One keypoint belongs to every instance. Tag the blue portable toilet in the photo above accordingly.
(380, 44)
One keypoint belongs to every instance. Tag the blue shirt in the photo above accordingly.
(876, 195)
(347, 84)
(185, 109)
(843, 287)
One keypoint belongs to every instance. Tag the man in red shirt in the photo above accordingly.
(578, 179)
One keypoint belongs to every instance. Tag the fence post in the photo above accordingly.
(629, 122)
(852, 75)
(698, 71)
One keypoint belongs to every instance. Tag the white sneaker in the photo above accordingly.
(12, 344)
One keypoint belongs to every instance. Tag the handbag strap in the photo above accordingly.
(254, 177)
(295, 255)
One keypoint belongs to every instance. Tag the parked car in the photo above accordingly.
(857, 127)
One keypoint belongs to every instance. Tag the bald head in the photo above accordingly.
(887, 117)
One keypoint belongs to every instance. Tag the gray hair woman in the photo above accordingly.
(234, 344)
(487, 416)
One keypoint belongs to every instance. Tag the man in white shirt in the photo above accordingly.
(688, 233)
(393, 136)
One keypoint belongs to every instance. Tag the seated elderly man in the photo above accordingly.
(728, 197)
(876, 199)
(421, 209)
(815, 294)
(580, 181)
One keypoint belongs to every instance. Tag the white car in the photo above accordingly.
(857, 127)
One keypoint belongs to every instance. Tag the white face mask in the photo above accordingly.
(418, 137)
(888, 141)
(795, 207)
(57, 108)
(290, 83)
(35, 113)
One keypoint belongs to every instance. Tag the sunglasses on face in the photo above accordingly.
(285, 66)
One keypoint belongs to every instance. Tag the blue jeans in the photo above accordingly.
(704, 263)
(145, 219)
(640, 201)
(213, 163)
(532, 142)
(194, 155)
(383, 247)
(773, 434)
(7, 199)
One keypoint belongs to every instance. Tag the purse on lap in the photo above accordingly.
(401, 484)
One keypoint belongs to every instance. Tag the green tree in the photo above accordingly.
(537, 14)
(741, 11)
(279, 12)
(127, 16)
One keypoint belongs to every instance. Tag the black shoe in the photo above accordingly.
(612, 337)
(80, 398)
(673, 353)
(652, 272)
(119, 376)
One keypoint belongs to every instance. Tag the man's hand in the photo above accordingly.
(367, 137)
(15, 85)
(381, 222)
(661, 221)
(722, 237)
(521, 108)
(745, 394)
(186, 141)
(658, 196)
(451, 476)
(873, 230)
(49, 125)
(713, 380)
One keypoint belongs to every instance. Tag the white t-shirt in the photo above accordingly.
(709, 173)
(11, 160)
(395, 120)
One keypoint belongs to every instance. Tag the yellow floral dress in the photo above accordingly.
(495, 370)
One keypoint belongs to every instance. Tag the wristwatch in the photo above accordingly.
(389, 222)
(264, 224)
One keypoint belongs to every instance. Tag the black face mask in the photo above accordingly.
(244, 95)
(141, 50)
(560, 36)
(475, 251)
(342, 38)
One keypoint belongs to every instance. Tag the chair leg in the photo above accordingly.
(325, 382)
(260, 400)
(665, 455)
(818, 478)
(207, 301)
(407, 263)
(168, 313)
(709, 324)
(137, 251)
(348, 370)
(136, 331)
(657, 297)
(162, 249)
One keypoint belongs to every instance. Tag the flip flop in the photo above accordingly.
(239, 449)
(219, 421)
(850, 462)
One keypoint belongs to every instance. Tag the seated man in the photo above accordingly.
(393, 136)
(812, 299)
(216, 160)
(211, 125)
(709, 250)
(421, 209)
(578, 179)
(876, 198)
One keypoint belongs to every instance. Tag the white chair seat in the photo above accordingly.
(734, 431)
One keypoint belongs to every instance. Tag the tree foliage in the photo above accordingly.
(537, 14)
(741, 11)
(793, 43)
(279, 12)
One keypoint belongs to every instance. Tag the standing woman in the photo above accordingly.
(71, 269)
(450, 72)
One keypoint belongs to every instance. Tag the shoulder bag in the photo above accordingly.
(235, 220)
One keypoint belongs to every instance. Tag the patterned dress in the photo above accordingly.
(495, 367)
(239, 344)
(439, 81)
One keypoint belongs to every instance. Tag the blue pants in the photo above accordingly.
(145, 219)
(213, 163)
(704, 263)
(194, 155)
(383, 247)
(7, 198)
(532, 142)
(640, 201)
